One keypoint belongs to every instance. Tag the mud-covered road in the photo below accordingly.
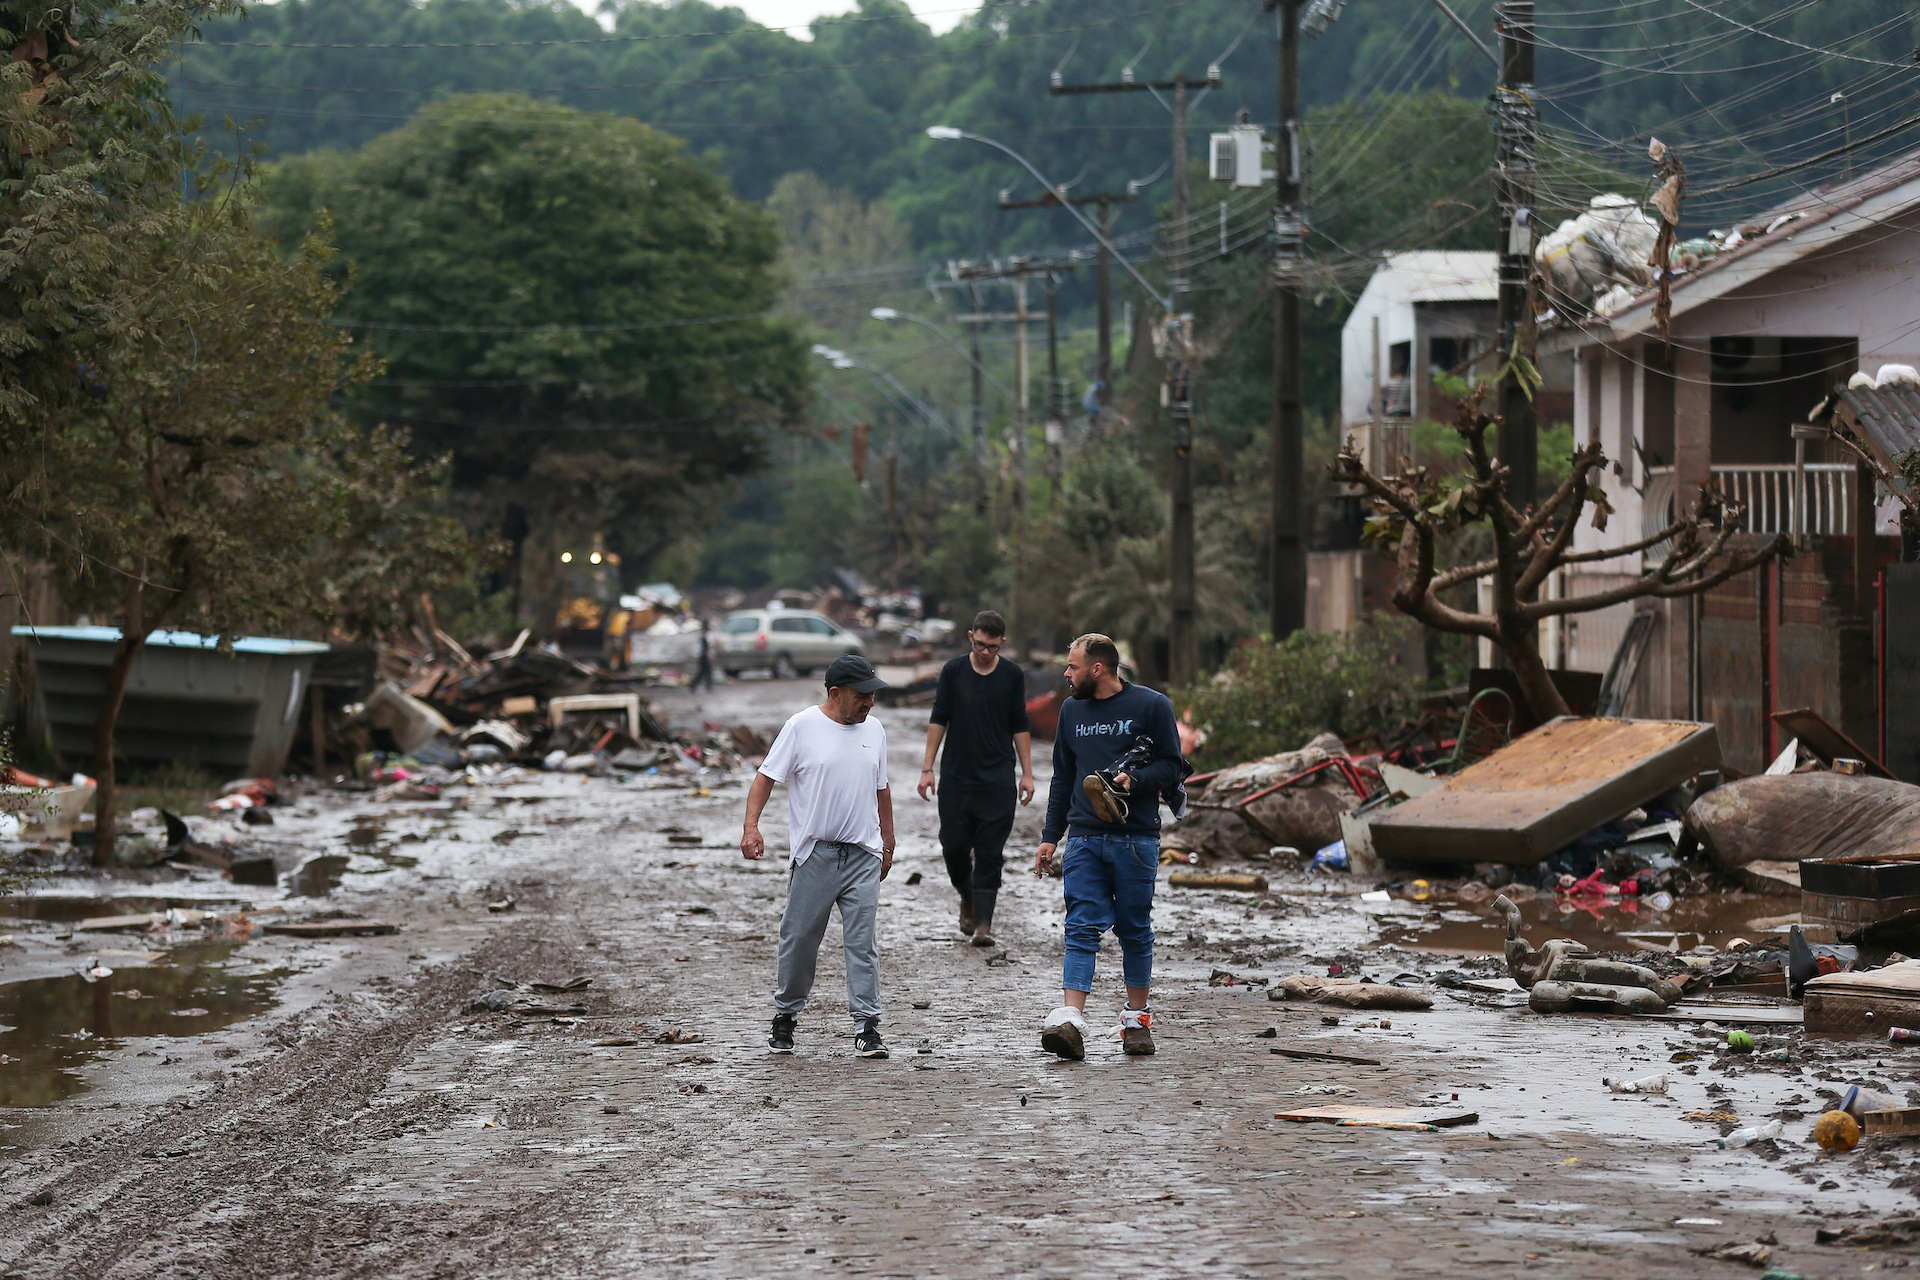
(365, 1122)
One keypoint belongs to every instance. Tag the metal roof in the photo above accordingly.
(1437, 275)
(1886, 419)
(175, 639)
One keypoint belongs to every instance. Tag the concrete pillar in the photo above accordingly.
(1692, 422)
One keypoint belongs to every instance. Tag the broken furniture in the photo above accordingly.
(558, 708)
(187, 702)
(1866, 1003)
(1545, 790)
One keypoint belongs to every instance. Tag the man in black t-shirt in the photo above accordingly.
(980, 710)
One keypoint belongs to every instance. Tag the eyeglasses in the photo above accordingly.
(984, 647)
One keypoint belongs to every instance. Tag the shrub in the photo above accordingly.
(1274, 697)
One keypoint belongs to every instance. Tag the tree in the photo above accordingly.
(1413, 511)
(203, 482)
(89, 158)
(570, 305)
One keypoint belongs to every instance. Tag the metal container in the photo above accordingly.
(232, 713)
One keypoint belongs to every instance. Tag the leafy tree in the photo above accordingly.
(89, 159)
(203, 483)
(570, 305)
(1414, 512)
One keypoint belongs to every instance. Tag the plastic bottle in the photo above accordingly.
(1902, 1035)
(1752, 1133)
(1859, 1100)
(1645, 1084)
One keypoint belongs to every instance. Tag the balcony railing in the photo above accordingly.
(1771, 494)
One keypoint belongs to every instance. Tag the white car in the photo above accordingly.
(785, 642)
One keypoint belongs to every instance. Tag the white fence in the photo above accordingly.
(1769, 494)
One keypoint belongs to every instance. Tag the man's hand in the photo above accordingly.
(1122, 782)
(752, 847)
(927, 786)
(1043, 861)
(886, 862)
(1026, 788)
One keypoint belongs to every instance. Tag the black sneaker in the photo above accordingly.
(780, 1039)
(867, 1043)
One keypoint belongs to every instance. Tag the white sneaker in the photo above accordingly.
(1064, 1033)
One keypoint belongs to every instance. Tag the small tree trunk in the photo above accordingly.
(132, 640)
(1536, 682)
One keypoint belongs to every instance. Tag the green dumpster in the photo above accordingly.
(187, 703)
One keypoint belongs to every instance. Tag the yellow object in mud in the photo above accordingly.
(1419, 891)
(1837, 1131)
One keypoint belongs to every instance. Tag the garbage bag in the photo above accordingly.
(1608, 245)
(1806, 815)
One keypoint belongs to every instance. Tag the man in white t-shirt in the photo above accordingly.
(840, 828)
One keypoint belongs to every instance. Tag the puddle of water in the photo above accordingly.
(64, 909)
(318, 877)
(54, 1027)
(1603, 924)
(374, 842)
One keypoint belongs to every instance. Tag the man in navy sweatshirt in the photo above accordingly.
(1116, 755)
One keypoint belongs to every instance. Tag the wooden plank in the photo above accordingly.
(1337, 1113)
(94, 924)
(1750, 1015)
(1900, 1122)
(332, 928)
(1218, 880)
(1310, 1055)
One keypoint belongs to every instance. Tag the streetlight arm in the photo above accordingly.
(947, 133)
(938, 332)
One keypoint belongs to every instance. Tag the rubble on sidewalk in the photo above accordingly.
(1294, 798)
(1349, 993)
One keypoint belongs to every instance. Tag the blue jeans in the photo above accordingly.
(1109, 885)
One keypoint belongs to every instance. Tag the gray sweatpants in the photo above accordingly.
(843, 874)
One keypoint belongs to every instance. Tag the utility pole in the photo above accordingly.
(1183, 644)
(1056, 408)
(1105, 200)
(1517, 131)
(1183, 656)
(1287, 576)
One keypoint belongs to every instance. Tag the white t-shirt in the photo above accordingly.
(832, 772)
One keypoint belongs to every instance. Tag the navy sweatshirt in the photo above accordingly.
(1093, 733)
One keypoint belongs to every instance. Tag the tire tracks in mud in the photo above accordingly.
(245, 1178)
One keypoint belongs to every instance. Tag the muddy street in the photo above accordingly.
(339, 1106)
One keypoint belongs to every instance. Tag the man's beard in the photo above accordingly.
(1085, 687)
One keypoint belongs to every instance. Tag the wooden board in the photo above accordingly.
(1900, 1122)
(1544, 790)
(1217, 880)
(1309, 1055)
(333, 928)
(1336, 1113)
(1746, 1015)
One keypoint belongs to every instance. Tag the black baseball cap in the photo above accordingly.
(851, 671)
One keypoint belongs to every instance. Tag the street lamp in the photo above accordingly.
(889, 387)
(888, 313)
(947, 133)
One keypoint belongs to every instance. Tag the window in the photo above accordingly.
(740, 626)
(788, 624)
(821, 627)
